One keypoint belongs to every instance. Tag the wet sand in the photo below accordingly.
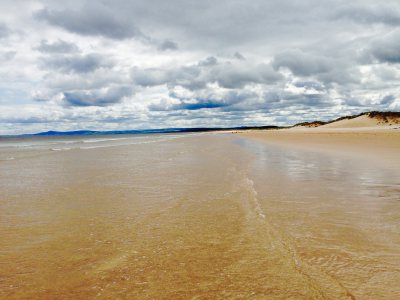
(210, 216)
(345, 225)
(377, 144)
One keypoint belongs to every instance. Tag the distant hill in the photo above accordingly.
(78, 132)
(147, 131)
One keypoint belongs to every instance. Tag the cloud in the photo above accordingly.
(386, 49)
(101, 97)
(58, 46)
(370, 13)
(189, 105)
(239, 75)
(209, 61)
(238, 55)
(301, 63)
(149, 77)
(200, 105)
(168, 45)
(7, 55)
(387, 100)
(76, 63)
(227, 74)
(4, 31)
(93, 19)
(314, 85)
(179, 100)
(325, 69)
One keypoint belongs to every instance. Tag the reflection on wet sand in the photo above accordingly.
(341, 214)
(207, 216)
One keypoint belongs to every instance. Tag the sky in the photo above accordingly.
(112, 65)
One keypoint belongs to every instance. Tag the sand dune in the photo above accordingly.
(364, 120)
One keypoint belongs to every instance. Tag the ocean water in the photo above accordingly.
(202, 216)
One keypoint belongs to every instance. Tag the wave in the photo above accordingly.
(248, 184)
(119, 145)
(87, 144)
(60, 149)
(104, 140)
(7, 158)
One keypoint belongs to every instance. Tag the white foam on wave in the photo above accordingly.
(249, 184)
(7, 158)
(60, 149)
(154, 140)
(69, 142)
(65, 145)
(97, 140)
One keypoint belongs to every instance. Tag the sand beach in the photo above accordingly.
(295, 213)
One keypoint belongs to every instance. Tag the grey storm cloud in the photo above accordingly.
(389, 99)
(237, 76)
(227, 75)
(326, 69)
(58, 46)
(101, 97)
(310, 85)
(239, 55)
(301, 63)
(209, 61)
(168, 45)
(387, 48)
(277, 99)
(92, 19)
(202, 24)
(367, 13)
(76, 63)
